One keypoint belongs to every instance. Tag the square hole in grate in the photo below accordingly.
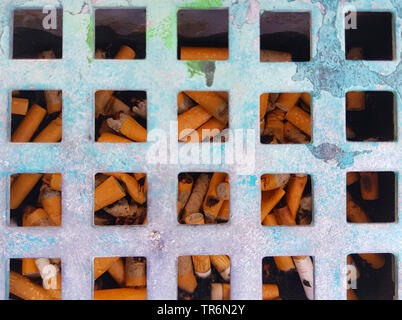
(120, 116)
(35, 279)
(115, 28)
(288, 278)
(203, 34)
(37, 33)
(35, 199)
(120, 278)
(120, 199)
(203, 116)
(369, 36)
(203, 277)
(370, 116)
(371, 276)
(284, 36)
(285, 118)
(36, 116)
(203, 198)
(371, 197)
(286, 199)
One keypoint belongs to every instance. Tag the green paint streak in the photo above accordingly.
(91, 37)
(203, 4)
(194, 68)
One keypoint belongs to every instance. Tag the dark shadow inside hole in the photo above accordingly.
(286, 32)
(117, 27)
(376, 121)
(202, 28)
(373, 33)
(31, 38)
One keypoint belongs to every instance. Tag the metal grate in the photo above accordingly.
(328, 76)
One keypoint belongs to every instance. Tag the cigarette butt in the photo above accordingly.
(212, 204)
(270, 220)
(121, 294)
(36, 218)
(52, 206)
(53, 180)
(287, 100)
(186, 278)
(222, 190)
(375, 260)
(275, 56)
(191, 120)
(306, 98)
(21, 187)
(50, 274)
(263, 104)
(102, 98)
(203, 53)
(220, 291)
(299, 118)
(183, 103)
(210, 129)
(222, 265)
(202, 266)
(25, 289)
(115, 105)
(110, 137)
(369, 185)
(212, 103)
(54, 101)
(305, 268)
(194, 218)
(355, 53)
(56, 293)
(295, 135)
(133, 130)
(117, 271)
(29, 124)
(284, 216)
(274, 125)
(108, 192)
(133, 187)
(352, 177)
(270, 291)
(223, 215)
(351, 295)
(355, 101)
(139, 175)
(29, 268)
(284, 263)
(101, 265)
(125, 52)
(269, 200)
(185, 185)
(273, 181)
(294, 192)
(194, 203)
(19, 106)
(135, 273)
(52, 133)
(354, 212)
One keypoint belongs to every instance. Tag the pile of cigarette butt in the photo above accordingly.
(285, 118)
(36, 116)
(121, 116)
(203, 198)
(35, 199)
(288, 278)
(286, 199)
(202, 116)
(204, 277)
(120, 278)
(35, 279)
(120, 198)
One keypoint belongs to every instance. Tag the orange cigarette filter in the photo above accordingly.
(101, 265)
(294, 192)
(354, 212)
(287, 100)
(212, 204)
(121, 294)
(186, 278)
(21, 187)
(102, 98)
(299, 118)
(351, 295)
(210, 129)
(306, 98)
(191, 119)
(352, 177)
(220, 291)
(284, 216)
(284, 263)
(135, 273)
(294, 134)
(53, 101)
(203, 53)
(202, 265)
(108, 192)
(185, 185)
(19, 106)
(273, 181)
(117, 271)
(212, 103)
(375, 260)
(125, 52)
(53, 180)
(195, 218)
(263, 104)
(222, 265)
(223, 215)
(29, 124)
(36, 218)
(275, 56)
(355, 101)
(29, 268)
(133, 187)
(274, 125)
(110, 137)
(52, 206)
(26, 289)
(269, 199)
(222, 190)
(270, 291)
(195, 201)
(52, 133)
(270, 220)
(133, 130)
(369, 185)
